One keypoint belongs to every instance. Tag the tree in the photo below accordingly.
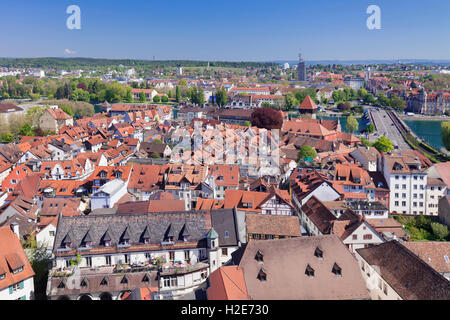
(397, 103)
(306, 152)
(128, 97)
(6, 137)
(290, 102)
(34, 114)
(142, 97)
(445, 134)
(67, 110)
(177, 94)
(344, 106)
(164, 99)
(221, 97)
(267, 118)
(156, 99)
(370, 128)
(170, 94)
(247, 124)
(383, 144)
(302, 94)
(40, 259)
(439, 230)
(352, 124)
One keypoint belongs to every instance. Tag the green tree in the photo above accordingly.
(156, 99)
(164, 99)
(370, 128)
(26, 130)
(177, 94)
(6, 137)
(383, 144)
(290, 102)
(247, 124)
(67, 110)
(352, 124)
(170, 94)
(34, 114)
(129, 96)
(439, 230)
(306, 152)
(221, 97)
(445, 134)
(397, 103)
(142, 97)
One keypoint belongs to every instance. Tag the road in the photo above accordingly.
(386, 127)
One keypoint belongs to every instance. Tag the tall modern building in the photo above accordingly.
(301, 69)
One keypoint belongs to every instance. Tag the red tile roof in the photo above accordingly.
(12, 256)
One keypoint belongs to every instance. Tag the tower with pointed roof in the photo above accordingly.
(212, 239)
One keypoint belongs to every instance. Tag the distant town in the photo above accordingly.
(207, 180)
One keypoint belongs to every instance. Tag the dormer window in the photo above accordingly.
(262, 275)
(185, 238)
(318, 253)
(83, 283)
(107, 243)
(259, 256)
(170, 239)
(309, 271)
(2, 276)
(104, 282)
(103, 175)
(337, 270)
(118, 174)
(61, 285)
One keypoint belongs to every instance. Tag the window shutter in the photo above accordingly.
(10, 290)
(21, 284)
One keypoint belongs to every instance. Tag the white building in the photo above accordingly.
(16, 274)
(407, 183)
(108, 194)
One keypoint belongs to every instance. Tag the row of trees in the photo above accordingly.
(445, 134)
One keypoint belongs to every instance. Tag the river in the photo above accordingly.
(430, 131)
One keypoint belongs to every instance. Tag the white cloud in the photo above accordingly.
(68, 51)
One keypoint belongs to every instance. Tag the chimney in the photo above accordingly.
(15, 228)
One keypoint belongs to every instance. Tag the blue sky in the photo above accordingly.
(233, 30)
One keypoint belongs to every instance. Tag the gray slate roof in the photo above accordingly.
(117, 227)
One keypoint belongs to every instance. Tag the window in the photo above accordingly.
(171, 255)
(269, 236)
(108, 260)
(20, 269)
(174, 282)
(227, 234)
(259, 256)
(225, 252)
(89, 261)
(367, 237)
(186, 255)
(15, 287)
(166, 282)
(337, 270)
(2, 276)
(355, 237)
(262, 276)
(318, 253)
(385, 289)
(104, 282)
(52, 233)
(127, 258)
(309, 271)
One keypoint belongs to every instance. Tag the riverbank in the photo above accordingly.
(420, 117)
